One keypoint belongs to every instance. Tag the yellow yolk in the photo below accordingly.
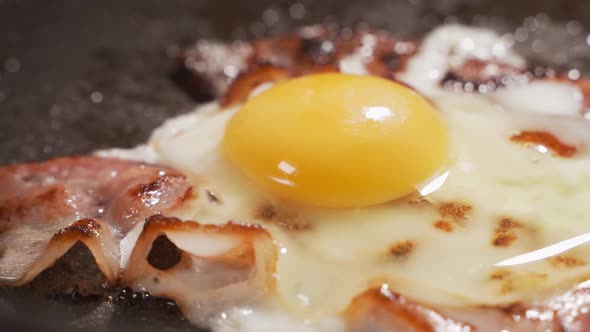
(336, 140)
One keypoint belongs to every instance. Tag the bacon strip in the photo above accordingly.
(239, 90)
(206, 268)
(480, 76)
(45, 208)
(382, 310)
(313, 49)
(317, 48)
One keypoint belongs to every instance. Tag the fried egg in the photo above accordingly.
(444, 196)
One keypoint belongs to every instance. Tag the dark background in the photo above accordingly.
(77, 75)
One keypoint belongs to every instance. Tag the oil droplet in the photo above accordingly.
(96, 97)
(574, 74)
(297, 11)
(270, 17)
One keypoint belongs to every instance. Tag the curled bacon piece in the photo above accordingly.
(239, 90)
(46, 208)
(205, 268)
(386, 55)
(382, 310)
(477, 75)
(114, 208)
(319, 48)
(313, 49)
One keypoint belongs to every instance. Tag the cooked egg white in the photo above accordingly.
(447, 243)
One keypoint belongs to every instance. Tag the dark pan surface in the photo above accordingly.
(77, 75)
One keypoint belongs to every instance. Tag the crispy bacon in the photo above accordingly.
(382, 310)
(389, 55)
(313, 49)
(247, 81)
(206, 268)
(48, 207)
(114, 208)
(476, 75)
(317, 48)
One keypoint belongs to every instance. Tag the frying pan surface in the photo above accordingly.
(77, 75)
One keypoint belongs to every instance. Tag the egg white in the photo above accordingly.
(344, 252)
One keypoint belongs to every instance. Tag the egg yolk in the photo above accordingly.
(337, 140)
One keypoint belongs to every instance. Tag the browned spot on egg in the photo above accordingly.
(500, 274)
(509, 281)
(507, 286)
(454, 211)
(507, 223)
(568, 261)
(504, 239)
(453, 215)
(265, 212)
(545, 139)
(402, 248)
(445, 226)
(291, 222)
(505, 233)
